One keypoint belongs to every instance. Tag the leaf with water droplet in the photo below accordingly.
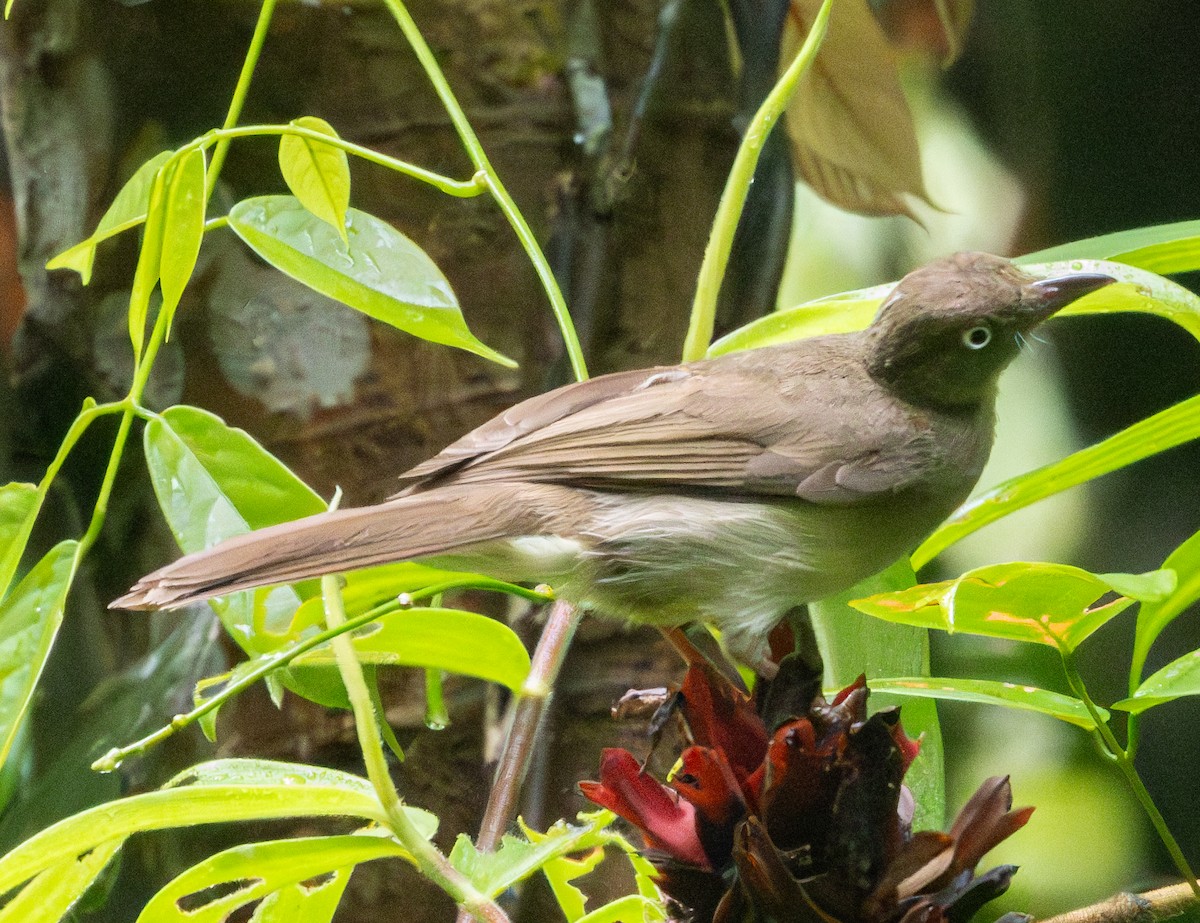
(1179, 678)
(376, 270)
(318, 174)
(990, 692)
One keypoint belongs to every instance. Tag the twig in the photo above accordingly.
(527, 713)
(1160, 904)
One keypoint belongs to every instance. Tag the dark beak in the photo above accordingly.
(1041, 299)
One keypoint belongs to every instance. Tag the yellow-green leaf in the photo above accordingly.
(317, 174)
(183, 228)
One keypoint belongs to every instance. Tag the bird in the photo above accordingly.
(727, 490)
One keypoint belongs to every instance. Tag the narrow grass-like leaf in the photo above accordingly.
(50, 896)
(18, 510)
(183, 227)
(29, 621)
(852, 644)
(1165, 430)
(1161, 248)
(218, 792)
(444, 639)
(305, 902)
(1157, 614)
(377, 270)
(260, 869)
(1051, 604)
(1179, 678)
(990, 692)
(317, 174)
(127, 211)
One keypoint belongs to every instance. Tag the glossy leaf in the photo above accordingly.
(18, 510)
(442, 639)
(1137, 290)
(200, 514)
(183, 227)
(1051, 604)
(1157, 614)
(147, 272)
(260, 869)
(851, 131)
(29, 620)
(990, 692)
(127, 211)
(852, 643)
(377, 270)
(300, 902)
(1164, 430)
(317, 174)
(843, 313)
(50, 896)
(1179, 678)
(1161, 248)
(218, 792)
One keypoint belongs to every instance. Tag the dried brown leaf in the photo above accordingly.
(850, 126)
(936, 27)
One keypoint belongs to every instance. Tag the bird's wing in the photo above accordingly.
(749, 428)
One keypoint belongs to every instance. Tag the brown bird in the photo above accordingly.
(727, 490)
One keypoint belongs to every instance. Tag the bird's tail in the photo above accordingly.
(420, 525)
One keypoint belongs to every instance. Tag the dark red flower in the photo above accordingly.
(793, 808)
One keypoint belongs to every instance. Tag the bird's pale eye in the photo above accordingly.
(977, 337)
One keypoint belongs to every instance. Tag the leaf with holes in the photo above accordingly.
(376, 270)
(212, 890)
(53, 893)
(317, 174)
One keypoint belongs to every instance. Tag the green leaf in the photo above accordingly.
(842, 313)
(128, 210)
(1161, 248)
(200, 514)
(376, 270)
(1137, 291)
(29, 621)
(261, 487)
(304, 902)
(990, 692)
(443, 639)
(259, 869)
(217, 792)
(183, 227)
(560, 872)
(146, 275)
(1155, 615)
(318, 174)
(852, 644)
(50, 896)
(1179, 678)
(1051, 604)
(624, 910)
(18, 510)
(1166, 429)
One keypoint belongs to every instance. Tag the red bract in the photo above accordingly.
(793, 810)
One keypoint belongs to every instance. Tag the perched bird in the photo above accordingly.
(727, 490)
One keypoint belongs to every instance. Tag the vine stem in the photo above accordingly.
(733, 199)
(1149, 907)
(479, 159)
(1125, 764)
(432, 863)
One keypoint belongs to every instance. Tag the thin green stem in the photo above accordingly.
(1124, 762)
(733, 199)
(242, 88)
(278, 659)
(480, 160)
(429, 859)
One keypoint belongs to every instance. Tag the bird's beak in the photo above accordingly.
(1041, 299)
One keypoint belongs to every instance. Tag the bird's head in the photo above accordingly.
(950, 328)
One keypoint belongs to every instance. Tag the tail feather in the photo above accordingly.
(415, 526)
